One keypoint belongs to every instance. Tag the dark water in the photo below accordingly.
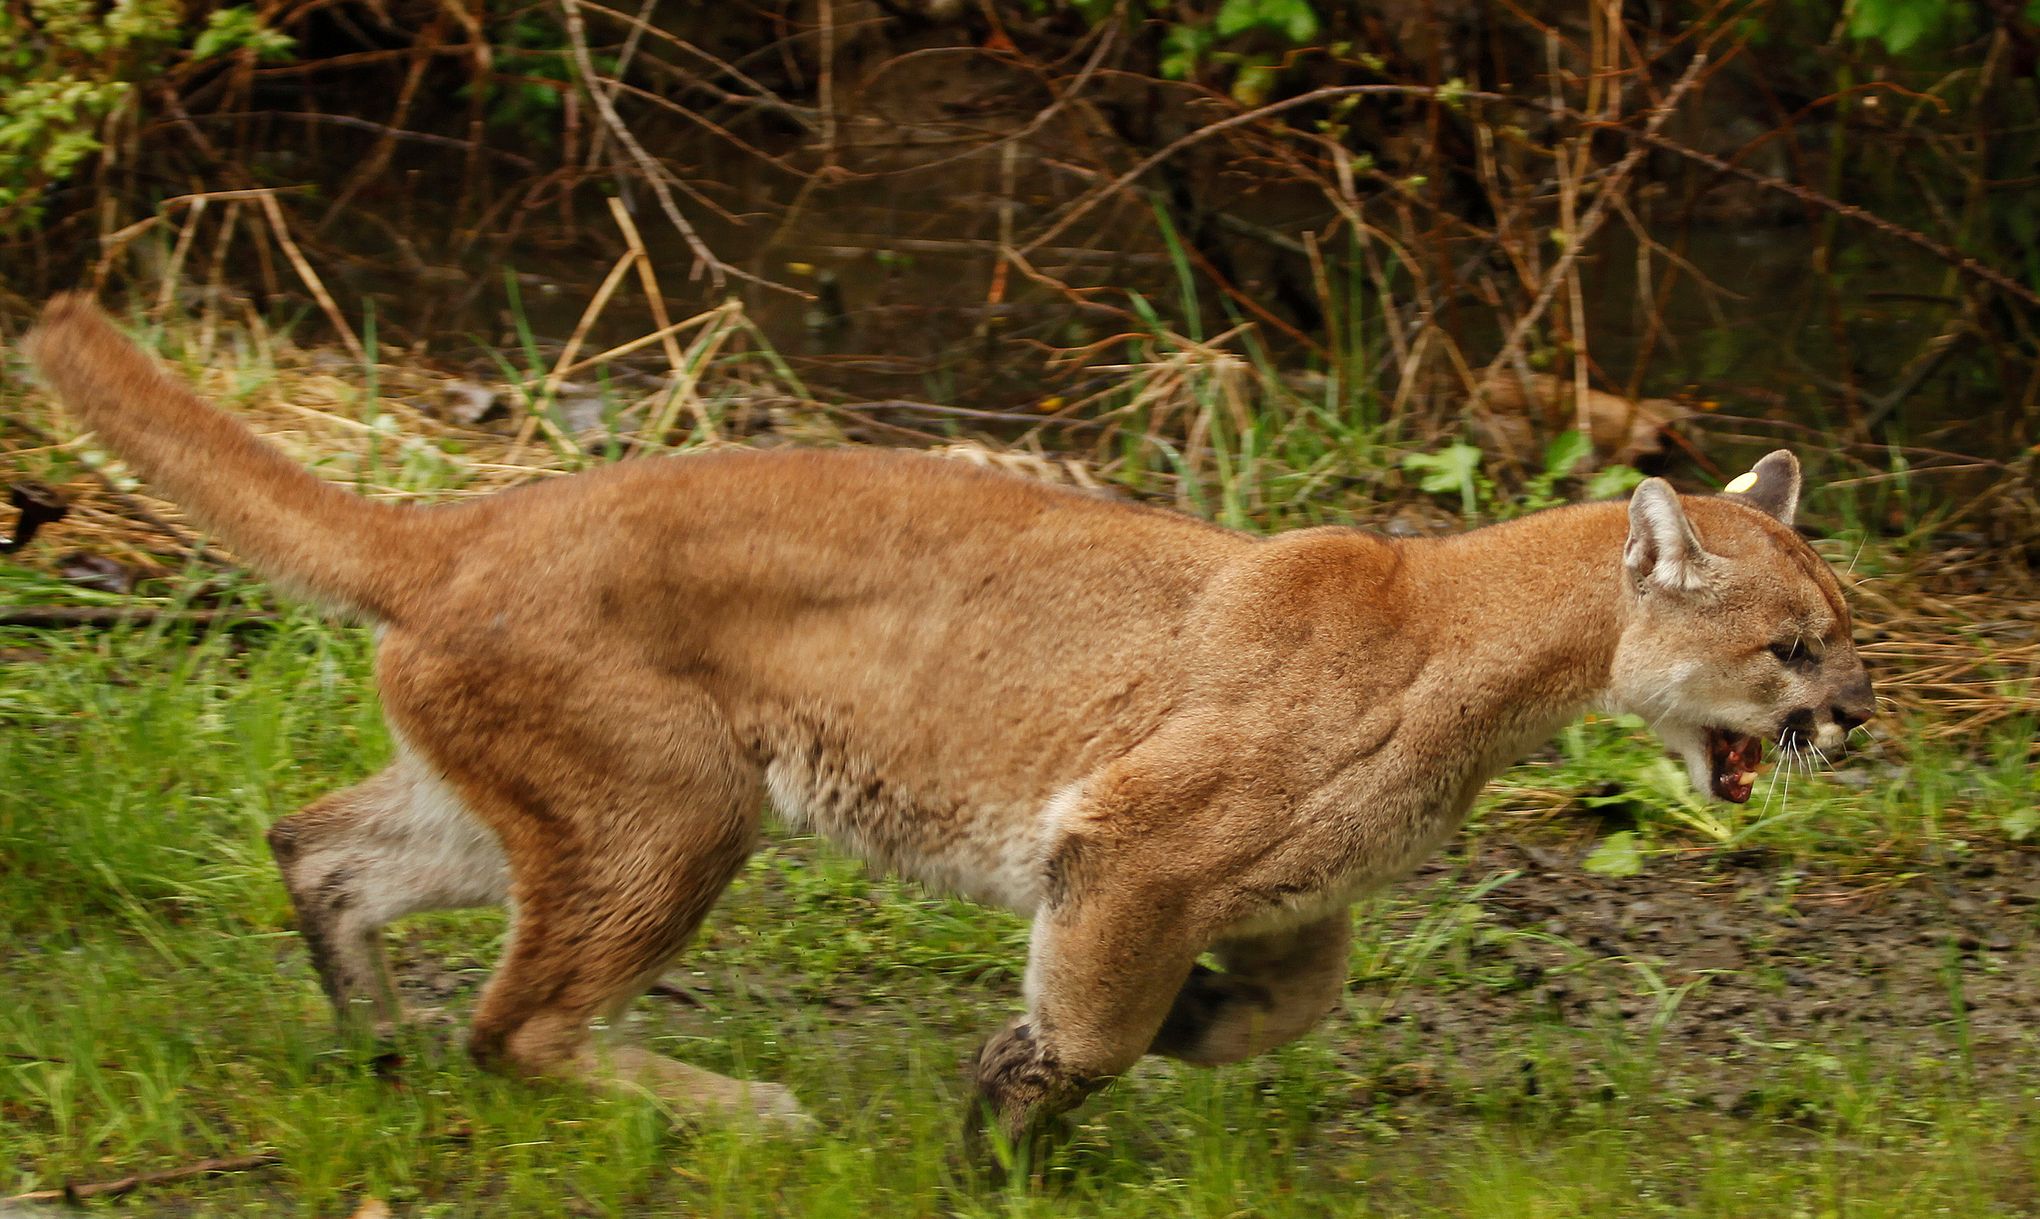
(896, 294)
(1774, 337)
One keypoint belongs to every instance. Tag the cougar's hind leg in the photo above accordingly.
(597, 917)
(623, 816)
(1269, 991)
(358, 859)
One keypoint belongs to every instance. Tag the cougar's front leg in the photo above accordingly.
(1101, 976)
(1269, 991)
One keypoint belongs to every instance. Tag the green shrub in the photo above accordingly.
(66, 67)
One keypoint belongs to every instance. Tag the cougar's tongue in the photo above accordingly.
(1733, 760)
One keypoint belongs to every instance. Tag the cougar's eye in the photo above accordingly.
(1791, 653)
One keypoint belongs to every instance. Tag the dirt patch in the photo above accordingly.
(1723, 969)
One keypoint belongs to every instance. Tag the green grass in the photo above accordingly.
(158, 1010)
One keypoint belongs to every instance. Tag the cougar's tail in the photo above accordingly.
(308, 535)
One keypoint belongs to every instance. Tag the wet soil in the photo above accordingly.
(1722, 968)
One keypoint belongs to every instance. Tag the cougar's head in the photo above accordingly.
(1734, 631)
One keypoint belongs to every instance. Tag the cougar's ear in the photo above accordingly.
(1772, 485)
(1663, 550)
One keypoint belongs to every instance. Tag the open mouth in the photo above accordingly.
(1732, 761)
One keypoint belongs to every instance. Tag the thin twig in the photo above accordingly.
(649, 280)
(59, 616)
(111, 245)
(113, 1189)
(643, 341)
(281, 231)
(1084, 206)
(656, 175)
(825, 86)
(631, 42)
(687, 372)
(759, 97)
(173, 274)
(1589, 225)
(596, 304)
(1849, 211)
(357, 123)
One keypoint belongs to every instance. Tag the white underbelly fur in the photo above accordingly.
(996, 856)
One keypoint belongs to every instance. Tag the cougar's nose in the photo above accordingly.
(1854, 703)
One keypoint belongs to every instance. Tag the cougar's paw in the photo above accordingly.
(1013, 1121)
(778, 1111)
(692, 1094)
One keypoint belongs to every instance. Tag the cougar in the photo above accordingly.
(1159, 738)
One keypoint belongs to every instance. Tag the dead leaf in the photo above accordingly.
(1521, 414)
(468, 403)
(98, 572)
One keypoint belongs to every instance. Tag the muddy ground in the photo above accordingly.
(1943, 963)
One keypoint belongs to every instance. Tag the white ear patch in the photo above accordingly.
(1662, 546)
(1741, 483)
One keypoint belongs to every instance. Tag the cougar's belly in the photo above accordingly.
(991, 849)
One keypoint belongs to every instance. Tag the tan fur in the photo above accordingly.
(1157, 737)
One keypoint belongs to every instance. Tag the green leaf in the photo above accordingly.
(1184, 47)
(1449, 469)
(1295, 18)
(232, 29)
(224, 30)
(2020, 823)
(1453, 468)
(1565, 451)
(1236, 16)
(1867, 17)
(1899, 24)
(1613, 481)
(1255, 80)
(1616, 856)
(1907, 26)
